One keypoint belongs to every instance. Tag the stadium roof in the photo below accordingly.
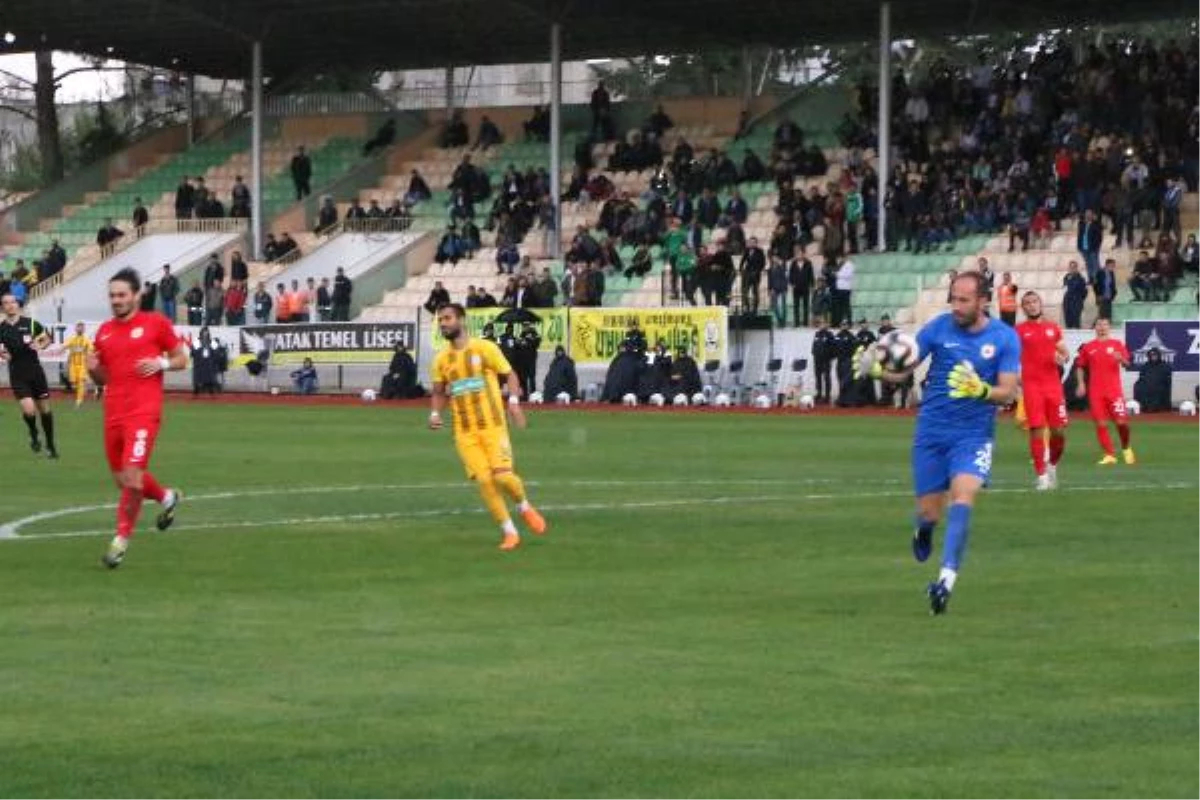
(212, 37)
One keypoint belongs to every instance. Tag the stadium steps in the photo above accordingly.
(76, 229)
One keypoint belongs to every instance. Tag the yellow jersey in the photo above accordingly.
(78, 347)
(472, 380)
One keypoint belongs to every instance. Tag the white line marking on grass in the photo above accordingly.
(334, 519)
(11, 530)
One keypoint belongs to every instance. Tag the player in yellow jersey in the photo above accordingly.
(78, 347)
(466, 375)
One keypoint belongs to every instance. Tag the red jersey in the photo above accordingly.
(1102, 359)
(1039, 352)
(120, 345)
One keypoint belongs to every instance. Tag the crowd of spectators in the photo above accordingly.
(224, 297)
(1019, 147)
(193, 200)
(23, 278)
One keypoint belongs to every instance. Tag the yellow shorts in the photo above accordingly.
(77, 375)
(484, 452)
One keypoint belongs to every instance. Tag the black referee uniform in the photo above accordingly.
(27, 378)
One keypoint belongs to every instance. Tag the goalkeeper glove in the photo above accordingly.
(965, 383)
(866, 364)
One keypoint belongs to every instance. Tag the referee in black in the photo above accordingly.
(20, 340)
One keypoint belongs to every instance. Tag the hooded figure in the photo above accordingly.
(206, 364)
(655, 377)
(400, 382)
(560, 377)
(1153, 387)
(622, 378)
(685, 374)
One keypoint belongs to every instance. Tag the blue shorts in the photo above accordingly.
(937, 460)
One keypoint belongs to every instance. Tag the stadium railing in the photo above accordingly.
(92, 255)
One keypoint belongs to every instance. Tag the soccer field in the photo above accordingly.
(726, 605)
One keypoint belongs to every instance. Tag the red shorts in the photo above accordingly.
(1045, 406)
(1108, 407)
(130, 442)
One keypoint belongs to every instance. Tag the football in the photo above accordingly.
(722, 400)
(368, 395)
(680, 399)
(698, 399)
(657, 399)
(762, 401)
(1187, 408)
(807, 401)
(1133, 407)
(897, 351)
(629, 399)
(563, 399)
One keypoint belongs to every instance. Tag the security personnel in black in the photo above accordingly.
(754, 263)
(864, 390)
(824, 350)
(20, 340)
(722, 272)
(508, 344)
(194, 300)
(527, 352)
(845, 345)
(635, 341)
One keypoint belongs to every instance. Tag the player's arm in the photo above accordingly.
(1062, 353)
(1081, 374)
(437, 403)
(966, 384)
(173, 361)
(514, 399)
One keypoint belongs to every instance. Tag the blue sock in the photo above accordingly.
(924, 525)
(958, 523)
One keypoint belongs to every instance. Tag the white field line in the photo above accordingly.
(12, 529)
(573, 507)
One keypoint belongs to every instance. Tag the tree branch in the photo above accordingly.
(14, 76)
(60, 77)
(19, 111)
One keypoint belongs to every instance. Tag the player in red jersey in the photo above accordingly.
(1099, 368)
(133, 350)
(1042, 351)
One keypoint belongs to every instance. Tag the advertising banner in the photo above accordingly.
(1177, 340)
(552, 327)
(597, 333)
(327, 342)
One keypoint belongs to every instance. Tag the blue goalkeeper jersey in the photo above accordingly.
(993, 350)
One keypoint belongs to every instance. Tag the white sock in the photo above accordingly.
(168, 497)
(523, 506)
(509, 528)
(948, 577)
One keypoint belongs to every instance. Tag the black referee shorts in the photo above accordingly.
(30, 383)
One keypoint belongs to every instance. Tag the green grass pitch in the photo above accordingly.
(725, 606)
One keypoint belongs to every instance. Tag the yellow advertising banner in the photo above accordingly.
(553, 326)
(597, 333)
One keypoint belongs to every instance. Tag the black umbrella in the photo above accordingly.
(517, 316)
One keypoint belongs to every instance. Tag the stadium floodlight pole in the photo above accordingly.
(556, 136)
(882, 155)
(256, 149)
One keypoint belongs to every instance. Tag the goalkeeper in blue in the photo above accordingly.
(975, 362)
